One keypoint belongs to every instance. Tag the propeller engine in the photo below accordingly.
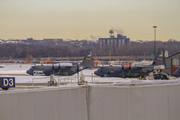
(59, 68)
(125, 71)
(129, 67)
(56, 69)
(53, 69)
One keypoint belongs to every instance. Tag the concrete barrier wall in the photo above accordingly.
(148, 102)
(155, 102)
(51, 104)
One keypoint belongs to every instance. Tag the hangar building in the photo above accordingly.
(172, 63)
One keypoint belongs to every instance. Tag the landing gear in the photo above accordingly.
(122, 75)
(106, 75)
(161, 76)
(143, 78)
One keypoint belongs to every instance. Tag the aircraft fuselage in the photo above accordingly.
(116, 71)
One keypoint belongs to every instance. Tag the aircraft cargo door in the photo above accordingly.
(175, 64)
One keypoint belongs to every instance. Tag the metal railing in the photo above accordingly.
(33, 80)
(67, 81)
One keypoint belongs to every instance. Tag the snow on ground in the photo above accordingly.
(10, 69)
(13, 68)
(73, 78)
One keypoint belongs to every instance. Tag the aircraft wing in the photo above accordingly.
(140, 67)
(66, 67)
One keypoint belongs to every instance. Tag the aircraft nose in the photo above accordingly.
(29, 72)
(96, 73)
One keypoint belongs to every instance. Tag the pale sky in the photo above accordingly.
(80, 19)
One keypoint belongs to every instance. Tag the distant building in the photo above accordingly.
(112, 41)
(53, 40)
(30, 39)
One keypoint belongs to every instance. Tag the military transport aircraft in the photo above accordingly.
(132, 71)
(88, 62)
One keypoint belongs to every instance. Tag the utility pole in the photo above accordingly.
(154, 40)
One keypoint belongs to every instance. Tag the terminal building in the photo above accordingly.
(112, 41)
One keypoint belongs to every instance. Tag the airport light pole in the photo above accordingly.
(137, 56)
(154, 40)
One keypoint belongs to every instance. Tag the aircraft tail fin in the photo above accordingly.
(159, 58)
(88, 61)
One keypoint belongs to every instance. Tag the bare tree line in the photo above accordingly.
(15, 51)
(137, 49)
